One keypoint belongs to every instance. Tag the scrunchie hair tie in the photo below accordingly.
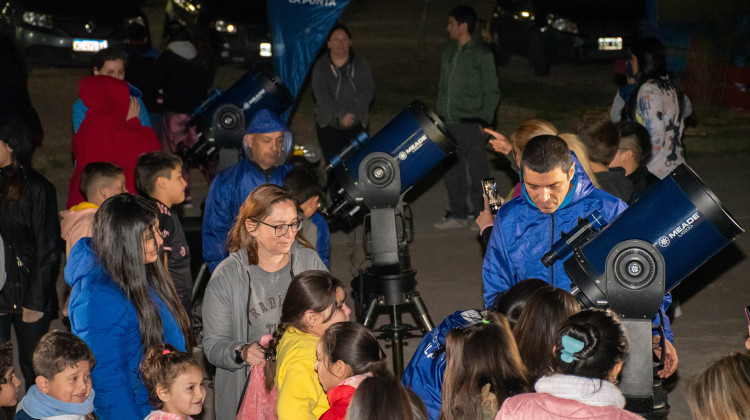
(570, 347)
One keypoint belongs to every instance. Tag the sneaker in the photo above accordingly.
(450, 223)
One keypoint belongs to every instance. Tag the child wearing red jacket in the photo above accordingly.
(110, 132)
(347, 353)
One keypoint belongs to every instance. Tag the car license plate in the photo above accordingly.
(89, 45)
(610, 44)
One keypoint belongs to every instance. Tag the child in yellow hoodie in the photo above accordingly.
(314, 301)
(99, 181)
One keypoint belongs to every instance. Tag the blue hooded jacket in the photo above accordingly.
(103, 317)
(232, 186)
(425, 371)
(523, 234)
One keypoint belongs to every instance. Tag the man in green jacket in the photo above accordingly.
(467, 99)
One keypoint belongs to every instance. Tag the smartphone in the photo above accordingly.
(747, 313)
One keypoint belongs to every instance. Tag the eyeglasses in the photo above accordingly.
(281, 230)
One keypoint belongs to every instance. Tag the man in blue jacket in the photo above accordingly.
(555, 193)
(267, 143)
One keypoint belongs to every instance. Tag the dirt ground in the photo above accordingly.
(405, 66)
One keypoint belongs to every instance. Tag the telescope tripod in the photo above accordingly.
(394, 291)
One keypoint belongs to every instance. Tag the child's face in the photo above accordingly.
(151, 242)
(341, 314)
(72, 385)
(175, 186)
(116, 186)
(9, 390)
(185, 396)
(329, 375)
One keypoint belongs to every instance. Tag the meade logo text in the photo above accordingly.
(413, 147)
(685, 226)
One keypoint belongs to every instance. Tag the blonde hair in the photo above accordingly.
(537, 127)
(722, 391)
(529, 129)
(576, 145)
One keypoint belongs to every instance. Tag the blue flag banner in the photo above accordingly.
(298, 29)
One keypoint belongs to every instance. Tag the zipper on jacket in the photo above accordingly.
(450, 82)
(552, 267)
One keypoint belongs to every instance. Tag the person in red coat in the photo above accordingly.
(347, 354)
(110, 132)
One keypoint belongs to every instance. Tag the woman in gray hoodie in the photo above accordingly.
(244, 296)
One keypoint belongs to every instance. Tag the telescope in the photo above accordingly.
(373, 174)
(648, 250)
(221, 119)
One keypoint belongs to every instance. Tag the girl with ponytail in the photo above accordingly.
(314, 302)
(590, 348)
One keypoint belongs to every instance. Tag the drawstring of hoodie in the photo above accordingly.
(349, 65)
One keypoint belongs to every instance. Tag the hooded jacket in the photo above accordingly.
(79, 110)
(105, 135)
(31, 238)
(103, 317)
(523, 234)
(562, 397)
(232, 186)
(226, 326)
(77, 223)
(342, 90)
(426, 369)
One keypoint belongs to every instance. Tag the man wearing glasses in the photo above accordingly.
(267, 143)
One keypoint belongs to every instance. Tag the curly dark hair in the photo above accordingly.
(6, 359)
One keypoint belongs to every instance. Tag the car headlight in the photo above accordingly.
(523, 15)
(38, 19)
(265, 49)
(138, 19)
(561, 24)
(187, 5)
(223, 26)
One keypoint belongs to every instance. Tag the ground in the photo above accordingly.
(405, 60)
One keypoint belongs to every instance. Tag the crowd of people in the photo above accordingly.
(275, 323)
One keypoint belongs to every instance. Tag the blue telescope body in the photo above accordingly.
(680, 216)
(376, 171)
(415, 137)
(252, 92)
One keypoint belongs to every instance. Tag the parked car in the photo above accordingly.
(237, 30)
(548, 30)
(70, 31)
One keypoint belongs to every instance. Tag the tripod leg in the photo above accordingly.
(397, 344)
(369, 318)
(420, 310)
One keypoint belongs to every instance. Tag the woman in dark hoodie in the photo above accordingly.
(343, 88)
